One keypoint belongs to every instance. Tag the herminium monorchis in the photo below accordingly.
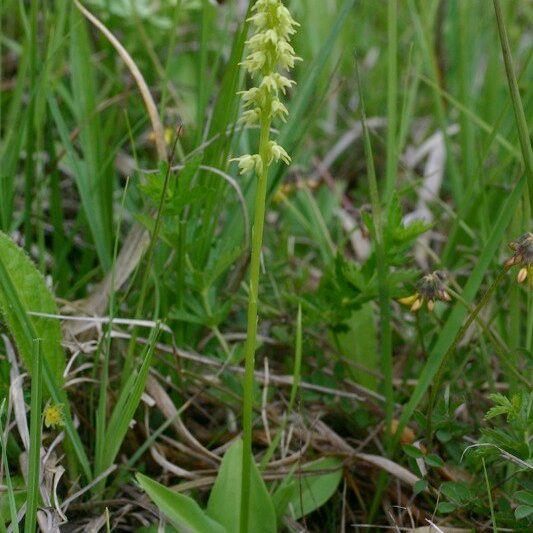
(270, 51)
(430, 287)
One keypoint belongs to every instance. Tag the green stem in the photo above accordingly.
(251, 330)
(384, 295)
(423, 23)
(34, 454)
(9, 484)
(30, 167)
(451, 350)
(180, 282)
(128, 362)
(521, 121)
(489, 494)
(392, 97)
(505, 355)
(105, 348)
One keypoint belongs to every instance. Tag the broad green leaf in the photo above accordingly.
(434, 460)
(446, 507)
(420, 486)
(359, 345)
(156, 528)
(455, 491)
(225, 499)
(413, 451)
(26, 328)
(184, 513)
(33, 296)
(317, 484)
(523, 511)
(524, 496)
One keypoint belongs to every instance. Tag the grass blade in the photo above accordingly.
(97, 179)
(521, 122)
(9, 483)
(34, 463)
(392, 98)
(126, 406)
(30, 170)
(382, 266)
(290, 135)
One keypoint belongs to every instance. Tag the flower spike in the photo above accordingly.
(269, 52)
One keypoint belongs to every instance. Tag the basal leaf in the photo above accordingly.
(523, 511)
(33, 295)
(183, 512)
(358, 345)
(225, 500)
(313, 489)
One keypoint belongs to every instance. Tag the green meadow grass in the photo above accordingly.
(125, 251)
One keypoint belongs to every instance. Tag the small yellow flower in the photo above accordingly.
(414, 301)
(408, 435)
(54, 416)
(523, 256)
(430, 288)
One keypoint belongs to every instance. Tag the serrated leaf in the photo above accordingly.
(500, 399)
(405, 234)
(394, 218)
(33, 295)
(225, 499)
(179, 192)
(496, 411)
(183, 512)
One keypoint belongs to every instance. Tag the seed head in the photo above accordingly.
(430, 288)
(523, 256)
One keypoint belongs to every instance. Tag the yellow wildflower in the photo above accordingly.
(430, 288)
(54, 416)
